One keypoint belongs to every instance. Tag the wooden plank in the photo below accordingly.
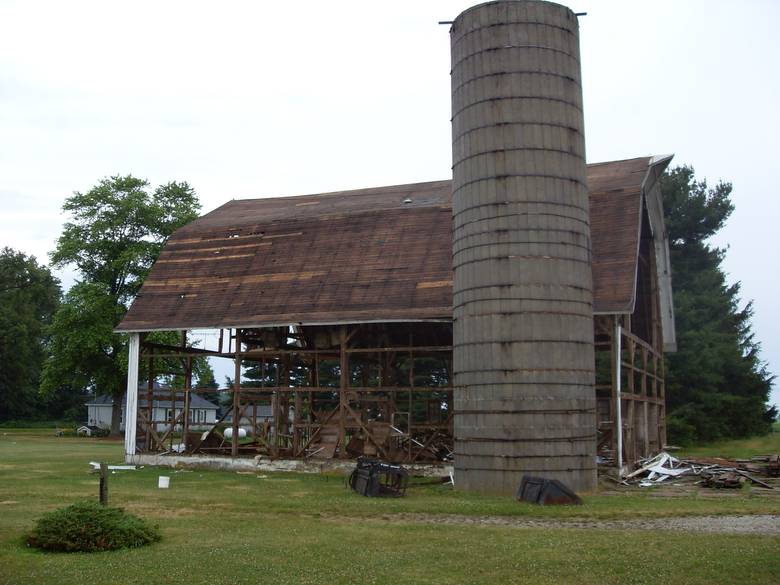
(236, 395)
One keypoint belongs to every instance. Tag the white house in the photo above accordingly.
(264, 413)
(203, 414)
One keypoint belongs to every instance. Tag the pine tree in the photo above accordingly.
(717, 386)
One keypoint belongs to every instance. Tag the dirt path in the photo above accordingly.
(720, 524)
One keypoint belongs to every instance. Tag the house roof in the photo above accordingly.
(262, 411)
(381, 254)
(195, 402)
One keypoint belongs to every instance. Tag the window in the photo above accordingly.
(197, 415)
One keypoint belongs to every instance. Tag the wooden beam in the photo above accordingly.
(236, 395)
(343, 385)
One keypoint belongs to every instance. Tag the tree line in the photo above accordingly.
(56, 349)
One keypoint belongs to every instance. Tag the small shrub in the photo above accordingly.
(89, 527)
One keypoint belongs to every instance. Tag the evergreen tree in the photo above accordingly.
(717, 386)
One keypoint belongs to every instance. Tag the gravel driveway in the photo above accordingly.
(722, 524)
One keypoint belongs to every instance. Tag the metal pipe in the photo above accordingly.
(618, 389)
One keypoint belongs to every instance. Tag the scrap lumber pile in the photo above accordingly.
(709, 472)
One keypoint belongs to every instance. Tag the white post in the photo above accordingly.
(618, 384)
(131, 406)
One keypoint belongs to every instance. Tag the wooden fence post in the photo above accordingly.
(103, 484)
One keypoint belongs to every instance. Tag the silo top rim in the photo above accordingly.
(515, 2)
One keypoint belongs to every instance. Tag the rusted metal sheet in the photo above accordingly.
(382, 254)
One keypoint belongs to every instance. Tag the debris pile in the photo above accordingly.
(722, 479)
(711, 472)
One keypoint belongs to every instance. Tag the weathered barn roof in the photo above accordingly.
(340, 257)
(380, 254)
(615, 190)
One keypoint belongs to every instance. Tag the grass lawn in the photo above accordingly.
(739, 449)
(221, 527)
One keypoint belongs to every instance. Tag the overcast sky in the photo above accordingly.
(251, 99)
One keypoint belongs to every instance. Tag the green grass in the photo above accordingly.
(738, 449)
(221, 527)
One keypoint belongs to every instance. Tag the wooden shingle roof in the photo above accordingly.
(380, 254)
(615, 190)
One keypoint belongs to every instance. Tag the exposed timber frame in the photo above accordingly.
(630, 391)
(359, 392)
(373, 402)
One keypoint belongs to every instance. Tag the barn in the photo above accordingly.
(344, 301)
(510, 321)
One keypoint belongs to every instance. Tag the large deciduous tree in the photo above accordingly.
(717, 386)
(29, 296)
(115, 233)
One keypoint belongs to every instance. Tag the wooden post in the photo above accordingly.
(254, 405)
(187, 390)
(662, 404)
(617, 381)
(103, 484)
(254, 420)
(236, 395)
(297, 422)
(187, 387)
(343, 384)
(172, 425)
(277, 402)
(645, 405)
(411, 389)
(149, 405)
(284, 402)
(316, 384)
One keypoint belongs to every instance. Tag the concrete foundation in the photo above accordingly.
(264, 464)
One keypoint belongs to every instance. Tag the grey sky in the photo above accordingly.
(251, 99)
